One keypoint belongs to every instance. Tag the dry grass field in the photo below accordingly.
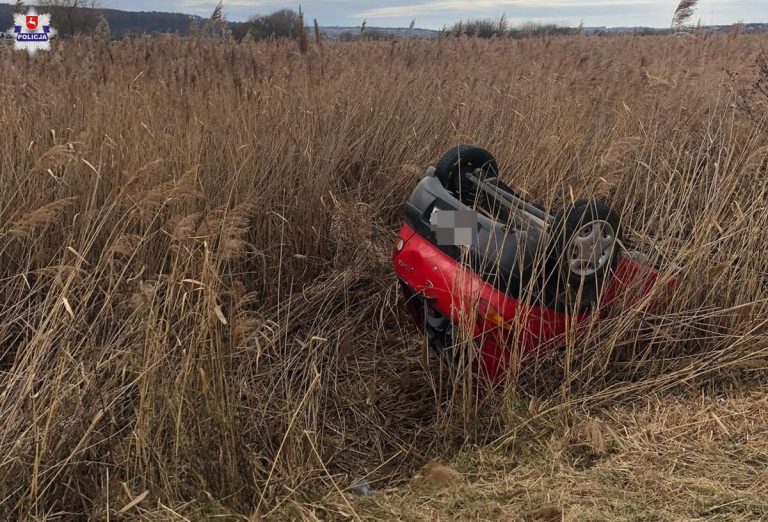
(199, 320)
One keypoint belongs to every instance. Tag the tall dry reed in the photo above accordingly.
(198, 313)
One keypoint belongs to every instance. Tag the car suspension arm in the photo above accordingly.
(529, 214)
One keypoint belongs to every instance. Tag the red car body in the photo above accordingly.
(503, 327)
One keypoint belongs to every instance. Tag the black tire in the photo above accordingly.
(573, 273)
(453, 167)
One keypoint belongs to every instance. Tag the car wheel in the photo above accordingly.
(460, 161)
(585, 246)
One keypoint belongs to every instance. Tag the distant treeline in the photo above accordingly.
(73, 20)
(499, 28)
(69, 20)
(280, 24)
(490, 27)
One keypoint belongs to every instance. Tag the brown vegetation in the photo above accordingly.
(199, 318)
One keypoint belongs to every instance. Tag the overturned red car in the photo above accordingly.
(473, 252)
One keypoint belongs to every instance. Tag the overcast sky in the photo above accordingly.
(435, 14)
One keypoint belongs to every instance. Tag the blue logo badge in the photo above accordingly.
(33, 32)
